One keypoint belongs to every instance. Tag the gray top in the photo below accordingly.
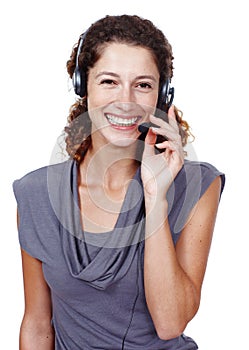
(96, 280)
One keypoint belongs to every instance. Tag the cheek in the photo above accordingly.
(96, 98)
(148, 102)
(152, 99)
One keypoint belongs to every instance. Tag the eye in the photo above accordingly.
(107, 82)
(144, 85)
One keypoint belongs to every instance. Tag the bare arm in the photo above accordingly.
(36, 331)
(173, 276)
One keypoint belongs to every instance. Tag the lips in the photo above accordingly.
(121, 121)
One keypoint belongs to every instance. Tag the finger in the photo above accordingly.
(172, 118)
(158, 121)
(166, 145)
(172, 147)
(168, 134)
(149, 143)
(171, 125)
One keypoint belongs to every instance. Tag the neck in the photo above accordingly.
(109, 166)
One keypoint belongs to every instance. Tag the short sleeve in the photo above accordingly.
(37, 224)
(208, 174)
(189, 186)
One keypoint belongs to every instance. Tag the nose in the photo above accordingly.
(126, 93)
(126, 98)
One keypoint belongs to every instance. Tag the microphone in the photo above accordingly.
(144, 127)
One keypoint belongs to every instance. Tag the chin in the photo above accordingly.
(123, 142)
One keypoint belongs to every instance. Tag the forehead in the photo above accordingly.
(122, 56)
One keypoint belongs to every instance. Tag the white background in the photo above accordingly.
(210, 45)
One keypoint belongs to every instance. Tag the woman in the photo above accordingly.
(115, 240)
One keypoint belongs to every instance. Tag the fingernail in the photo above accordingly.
(154, 129)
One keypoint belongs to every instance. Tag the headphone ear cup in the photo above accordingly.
(163, 95)
(79, 77)
(166, 96)
(79, 82)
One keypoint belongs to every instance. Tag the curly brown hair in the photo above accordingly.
(127, 29)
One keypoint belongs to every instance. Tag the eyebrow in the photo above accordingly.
(145, 76)
(107, 73)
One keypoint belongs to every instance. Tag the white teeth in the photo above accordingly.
(121, 121)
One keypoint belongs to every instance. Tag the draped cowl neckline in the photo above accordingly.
(114, 250)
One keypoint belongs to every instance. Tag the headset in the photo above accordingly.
(165, 96)
(79, 76)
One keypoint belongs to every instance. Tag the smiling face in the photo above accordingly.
(122, 90)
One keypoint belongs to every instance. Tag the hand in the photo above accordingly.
(158, 171)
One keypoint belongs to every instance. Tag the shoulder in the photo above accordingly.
(200, 175)
(204, 166)
(31, 178)
(36, 181)
(189, 186)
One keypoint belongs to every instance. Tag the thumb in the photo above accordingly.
(149, 143)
